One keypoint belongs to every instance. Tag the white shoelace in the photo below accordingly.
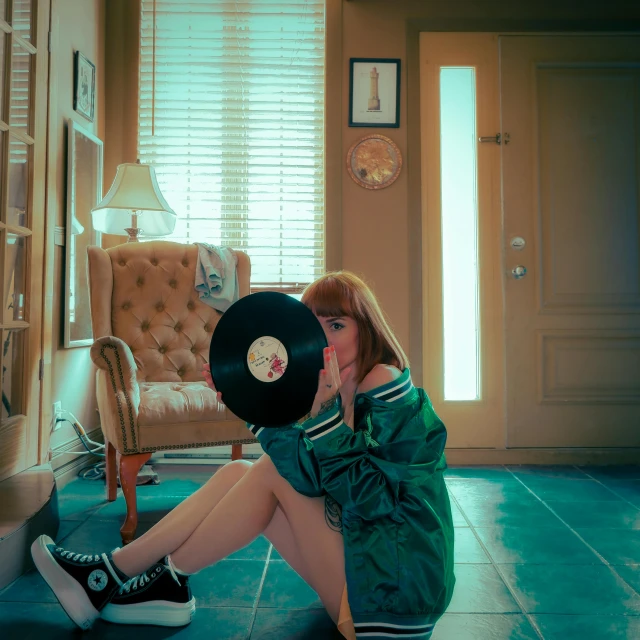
(77, 557)
(146, 577)
(137, 581)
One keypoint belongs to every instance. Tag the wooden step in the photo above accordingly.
(28, 508)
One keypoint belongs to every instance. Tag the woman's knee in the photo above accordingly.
(234, 471)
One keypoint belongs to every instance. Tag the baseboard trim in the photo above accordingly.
(577, 456)
(455, 457)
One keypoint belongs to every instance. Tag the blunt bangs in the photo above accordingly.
(344, 294)
(328, 298)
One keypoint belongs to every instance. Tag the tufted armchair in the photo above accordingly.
(152, 338)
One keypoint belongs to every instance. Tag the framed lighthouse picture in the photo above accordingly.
(374, 92)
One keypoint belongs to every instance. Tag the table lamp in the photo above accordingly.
(134, 194)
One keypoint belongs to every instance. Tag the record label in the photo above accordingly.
(267, 359)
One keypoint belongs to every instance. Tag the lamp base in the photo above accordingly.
(133, 234)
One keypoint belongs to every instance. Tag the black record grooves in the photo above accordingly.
(265, 354)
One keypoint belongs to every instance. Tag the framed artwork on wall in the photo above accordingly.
(374, 92)
(84, 191)
(84, 86)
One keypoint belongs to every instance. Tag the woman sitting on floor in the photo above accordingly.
(352, 497)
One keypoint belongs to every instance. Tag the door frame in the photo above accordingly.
(466, 447)
(479, 50)
(23, 433)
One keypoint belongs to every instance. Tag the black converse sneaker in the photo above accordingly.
(82, 583)
(158, 596)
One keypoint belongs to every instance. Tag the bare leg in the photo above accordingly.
(226, 515)
(323, 573)
(168, 534)
(248, 510)
(280, 535)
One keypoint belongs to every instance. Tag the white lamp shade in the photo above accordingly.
(135, 189)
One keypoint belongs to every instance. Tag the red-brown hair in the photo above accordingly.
(342, 293)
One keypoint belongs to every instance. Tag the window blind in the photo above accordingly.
(231, 115)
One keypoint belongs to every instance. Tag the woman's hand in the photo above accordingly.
(206, 372)
(330, 379)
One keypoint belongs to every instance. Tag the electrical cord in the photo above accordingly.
(79, 429)
(97, 470)
(82, 436)
(93, 472)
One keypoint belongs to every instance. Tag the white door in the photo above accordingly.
(571, 192)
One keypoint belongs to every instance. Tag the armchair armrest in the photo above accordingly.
(118, 392)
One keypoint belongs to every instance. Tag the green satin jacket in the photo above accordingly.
(396, 517)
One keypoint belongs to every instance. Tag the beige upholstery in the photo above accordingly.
(152, 338)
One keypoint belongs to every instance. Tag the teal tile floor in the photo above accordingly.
(541, 552)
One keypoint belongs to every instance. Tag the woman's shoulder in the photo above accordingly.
(380, 375)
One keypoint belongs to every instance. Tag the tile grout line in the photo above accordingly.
(494, 564)
(254, 612)
(610, 489)
(602, 559)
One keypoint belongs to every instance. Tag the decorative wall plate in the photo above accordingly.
(374, 162)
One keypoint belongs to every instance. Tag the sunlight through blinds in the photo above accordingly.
(231, 115)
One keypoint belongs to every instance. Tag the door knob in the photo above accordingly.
(519, 272)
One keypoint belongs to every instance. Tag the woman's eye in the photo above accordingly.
(336, 326)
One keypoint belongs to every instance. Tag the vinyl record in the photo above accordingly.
(265, 354)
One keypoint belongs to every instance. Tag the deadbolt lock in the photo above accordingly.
(519, 272)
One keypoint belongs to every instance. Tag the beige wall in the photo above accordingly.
(381, 230)
(374, 233)
(75, 26)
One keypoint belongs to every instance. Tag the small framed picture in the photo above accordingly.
(84, 86)
(374, 92)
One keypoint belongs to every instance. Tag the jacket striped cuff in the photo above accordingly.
(383, 630)
(324, 424)
(255, 429)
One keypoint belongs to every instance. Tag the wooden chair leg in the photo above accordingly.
(236, 452)
(110, 470)
(129, 469)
